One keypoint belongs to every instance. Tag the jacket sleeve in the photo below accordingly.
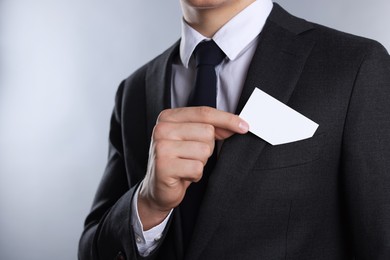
(366, 157)
(108, 233)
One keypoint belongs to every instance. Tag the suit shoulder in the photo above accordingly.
(137, 78)
(325, 37)
(335, 44)
(334, 37)
(133, 87)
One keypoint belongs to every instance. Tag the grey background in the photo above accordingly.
(60, 64)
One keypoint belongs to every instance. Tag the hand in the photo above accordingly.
(183, 139)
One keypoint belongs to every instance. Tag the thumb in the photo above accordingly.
(222, 133)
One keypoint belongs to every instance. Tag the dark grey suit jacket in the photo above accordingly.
(327, 197)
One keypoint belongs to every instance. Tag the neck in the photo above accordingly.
(208, 19)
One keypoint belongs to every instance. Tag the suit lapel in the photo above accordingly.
(276, 67)
(158, 85)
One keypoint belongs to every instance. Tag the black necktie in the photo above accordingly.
(207, 56)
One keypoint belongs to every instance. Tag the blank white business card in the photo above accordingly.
(275, 122)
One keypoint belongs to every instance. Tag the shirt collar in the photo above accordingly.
(234, 36)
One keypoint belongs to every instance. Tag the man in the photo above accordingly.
(326, 197)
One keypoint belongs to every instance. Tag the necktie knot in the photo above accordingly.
(207, 56)
(208, 53)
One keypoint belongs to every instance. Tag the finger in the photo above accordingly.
(182, 170)
(206, 115)
(191, 150)
(189, 131)
(184, 132)
(221, 134)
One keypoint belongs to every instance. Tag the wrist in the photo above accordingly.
(150, 214)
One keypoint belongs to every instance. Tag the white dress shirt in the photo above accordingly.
(238, 40)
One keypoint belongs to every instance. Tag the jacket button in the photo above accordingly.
(120, 256)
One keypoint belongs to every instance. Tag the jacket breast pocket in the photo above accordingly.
(291, 154)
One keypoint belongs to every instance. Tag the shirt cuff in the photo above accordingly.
(147, 240)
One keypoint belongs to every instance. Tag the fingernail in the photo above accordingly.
(243, 126)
